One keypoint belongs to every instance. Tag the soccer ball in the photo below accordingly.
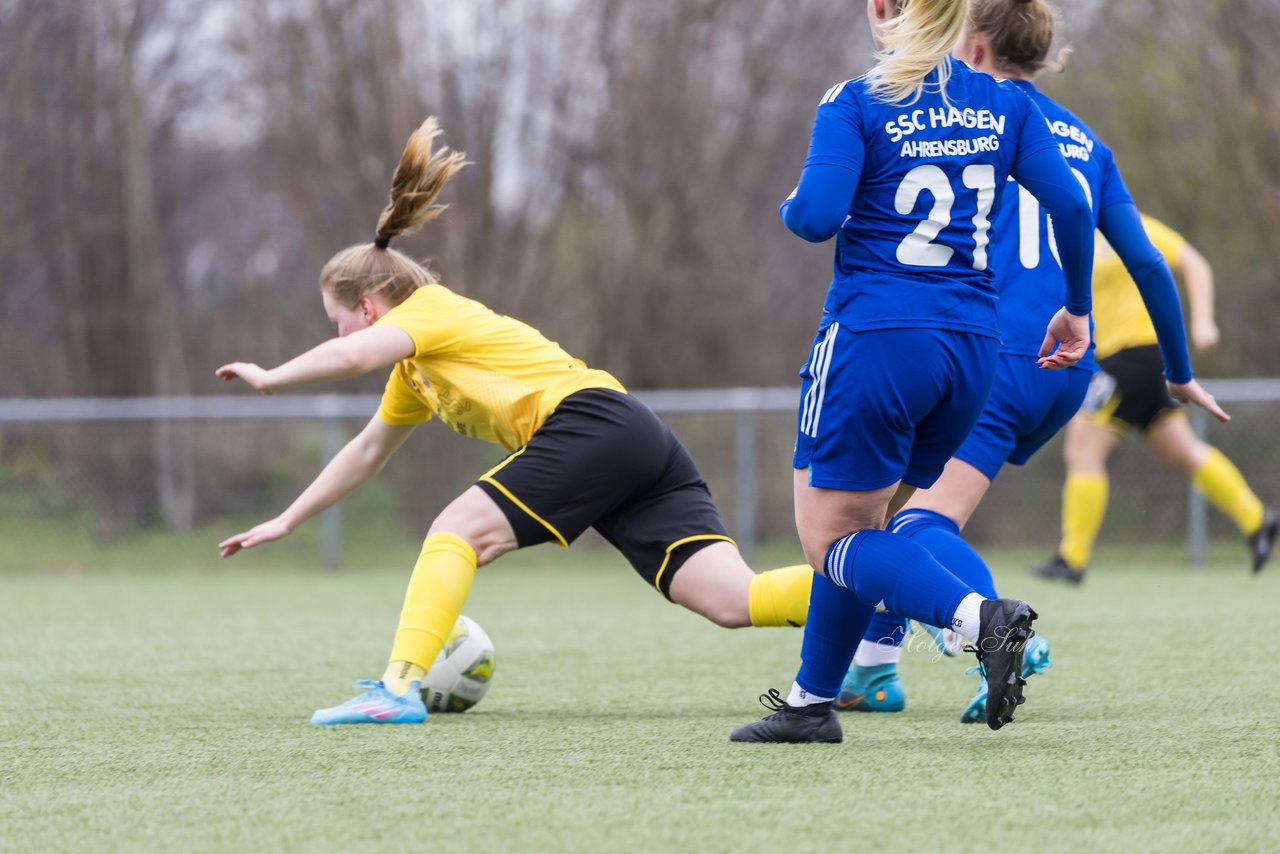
(460, 675)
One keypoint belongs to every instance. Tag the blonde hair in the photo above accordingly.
(1020, 33)
(915, 42)
(368, 268)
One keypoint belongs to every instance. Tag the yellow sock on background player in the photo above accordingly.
(1084, 504)
(1221, 483)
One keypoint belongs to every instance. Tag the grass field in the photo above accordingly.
(163, 709)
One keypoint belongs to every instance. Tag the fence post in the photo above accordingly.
(1197, 511)
(331, 519)
(745, 442)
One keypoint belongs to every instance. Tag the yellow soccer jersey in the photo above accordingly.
(485, 375)
(1119, 316)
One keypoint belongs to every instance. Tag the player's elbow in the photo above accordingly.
(1150, 273)
(1194, 267)
(811, 223)
(1075, 209)
(354, 358)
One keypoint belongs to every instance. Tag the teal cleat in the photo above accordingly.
(376, 705)
(1035, 659)
(872, 689)
(976, 711)
(948, 642)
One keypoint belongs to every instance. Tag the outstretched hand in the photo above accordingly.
(1071, 333)
(1193, 392)
(254, 375)
(264, 533)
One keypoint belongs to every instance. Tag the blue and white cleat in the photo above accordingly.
(376, 705)
(1035, 659)
(872, 689)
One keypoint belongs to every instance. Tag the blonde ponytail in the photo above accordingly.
(420, 176)
(368, 268)
(913, 44)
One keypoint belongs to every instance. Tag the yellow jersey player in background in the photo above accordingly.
(583, 452)
(1129, 392)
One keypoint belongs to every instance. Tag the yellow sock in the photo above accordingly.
(1224, 486)
(399, 674)
(780, 597)
(437, 590)
(1084, 503)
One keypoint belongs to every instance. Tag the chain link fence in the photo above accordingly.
(107, 469)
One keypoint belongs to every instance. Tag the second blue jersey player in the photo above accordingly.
(1027, 405)
(905, 166)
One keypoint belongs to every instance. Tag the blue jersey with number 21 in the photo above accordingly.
(914, 250)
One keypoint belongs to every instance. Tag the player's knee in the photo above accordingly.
(815, 554)
(1081, 459)
(816, 547)
(484, 528)
(488, 542)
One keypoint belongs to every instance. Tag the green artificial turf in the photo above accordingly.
(157, 709)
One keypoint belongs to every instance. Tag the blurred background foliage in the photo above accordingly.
(173, 173)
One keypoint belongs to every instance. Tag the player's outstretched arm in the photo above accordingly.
(1192, 392)
(1198, 276)
(1122, 225)
(361, 458)
(338, 358)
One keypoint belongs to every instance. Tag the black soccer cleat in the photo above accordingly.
(816, 723)
(1004, 628)
(1057, 569)
(1263, 540)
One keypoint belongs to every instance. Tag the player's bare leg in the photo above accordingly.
(717, 583)
(471, 531)
(1217, 478)
(1084, 497)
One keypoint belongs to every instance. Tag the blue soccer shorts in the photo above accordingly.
(1026, 407)
(889, 405)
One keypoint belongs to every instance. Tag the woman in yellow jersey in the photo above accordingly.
(1129, 392)
(584, 453)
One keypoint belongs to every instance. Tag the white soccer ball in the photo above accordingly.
(461, 673)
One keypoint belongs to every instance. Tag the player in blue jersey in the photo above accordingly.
(1011, 39)
(903, 168)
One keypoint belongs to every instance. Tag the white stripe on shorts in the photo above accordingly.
(818, 367)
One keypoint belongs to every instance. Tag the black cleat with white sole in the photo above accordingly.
(816, 723)
(1004, 627)
(1263, 541)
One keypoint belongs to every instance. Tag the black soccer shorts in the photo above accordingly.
(603, 460)
(1129, 390)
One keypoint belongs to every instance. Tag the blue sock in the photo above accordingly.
(941, 538)
(887, 628)
(832, 630)
(890, 570)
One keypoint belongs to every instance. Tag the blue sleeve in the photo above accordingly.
(1113, 191)
(1048, 177)
(821, 201)
(819, 205)
(1121, 225)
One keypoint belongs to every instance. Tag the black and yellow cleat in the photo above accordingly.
(1057, 569)
(816, 723)
(1263, 541)
(1003, 631)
